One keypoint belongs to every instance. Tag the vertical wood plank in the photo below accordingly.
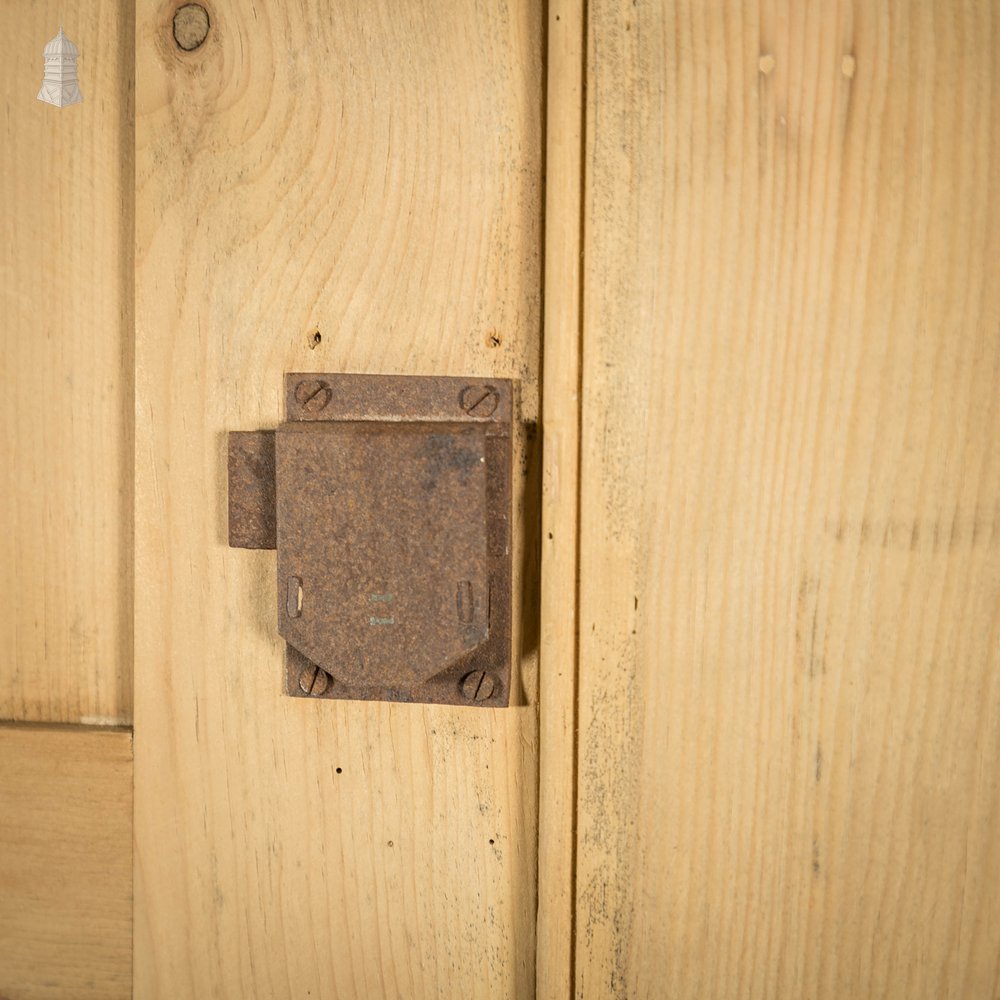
(333, 189)
(66, 376)
(560, 498)
(65, 863)
(790, 574)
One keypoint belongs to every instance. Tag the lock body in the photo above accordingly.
(388, 501)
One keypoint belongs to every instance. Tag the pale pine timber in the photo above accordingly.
(65, 863)
(560, 499)
(790, 563)
(66, 372)
(369, 173)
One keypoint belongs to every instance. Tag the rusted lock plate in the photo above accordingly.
(388, 499)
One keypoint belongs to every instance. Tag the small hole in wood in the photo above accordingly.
(315, 340)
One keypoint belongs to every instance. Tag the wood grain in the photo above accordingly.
(371, 174)
(66, 377)
(560, 498)
(65, 863)
(790, 568)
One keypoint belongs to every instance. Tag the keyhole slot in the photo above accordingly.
(466, 607)
(293, 600)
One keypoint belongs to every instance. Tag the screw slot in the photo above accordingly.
(314, 681)
(479, 400)
(313, 394)
(478, 686)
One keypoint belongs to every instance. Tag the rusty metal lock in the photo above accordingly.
(388, 501)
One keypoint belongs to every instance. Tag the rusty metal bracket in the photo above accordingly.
(388, 499)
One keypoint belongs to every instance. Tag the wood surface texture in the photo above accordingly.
(560, 498)
(66, 372)
(790, 565)
(65, 863)
(355, 188)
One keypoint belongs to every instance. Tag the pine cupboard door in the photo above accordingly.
(789, 678)
(346, 188)
(754, 746)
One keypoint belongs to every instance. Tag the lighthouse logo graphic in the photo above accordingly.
(60, 86)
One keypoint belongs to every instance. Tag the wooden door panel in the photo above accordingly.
(65, 863)
(790, 556)
(66, 379)
(789, 713)
(349, 189)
